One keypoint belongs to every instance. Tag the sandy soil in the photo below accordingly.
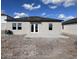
(21, 47)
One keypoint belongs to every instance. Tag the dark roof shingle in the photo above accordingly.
(71, 21)
(34, 19)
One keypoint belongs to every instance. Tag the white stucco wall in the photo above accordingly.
(25, 28)
(43, 29)
(3, 26)
(3, 19)
(3, 22)
(70, 29)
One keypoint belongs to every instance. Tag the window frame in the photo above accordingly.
(50, 26)
(19, 26)
(35, 28)
(32, 27)
(14, 27)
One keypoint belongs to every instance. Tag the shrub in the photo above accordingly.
(9, 32)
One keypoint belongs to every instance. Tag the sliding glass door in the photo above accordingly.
(34, 27)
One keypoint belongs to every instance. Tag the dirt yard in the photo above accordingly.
(21, 47)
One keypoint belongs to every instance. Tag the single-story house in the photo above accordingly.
(70, 26)
(34, 26)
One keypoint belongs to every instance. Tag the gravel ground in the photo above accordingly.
(21, 47)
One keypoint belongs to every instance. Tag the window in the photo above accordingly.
(36, 28)
(50, 26)
(14, 26)
(32, 27)
(19, 26)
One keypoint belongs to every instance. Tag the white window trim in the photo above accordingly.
(13, 26)
(52, 26)
(34, 28)
(17, 26)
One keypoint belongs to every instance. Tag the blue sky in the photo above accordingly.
(60, 9)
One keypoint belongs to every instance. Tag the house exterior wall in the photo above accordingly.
(3, 26)
(43, 29)
(70, 29)
(25, 28)
(3, 22)
(3, 19)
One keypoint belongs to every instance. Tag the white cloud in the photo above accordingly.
(57, 1)
(43, 14)
(62, 16)
(52, 1)
(19, 15)
(70, 17)
(31, 6)
(46, 1)
(53, 7)
(66, 3)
